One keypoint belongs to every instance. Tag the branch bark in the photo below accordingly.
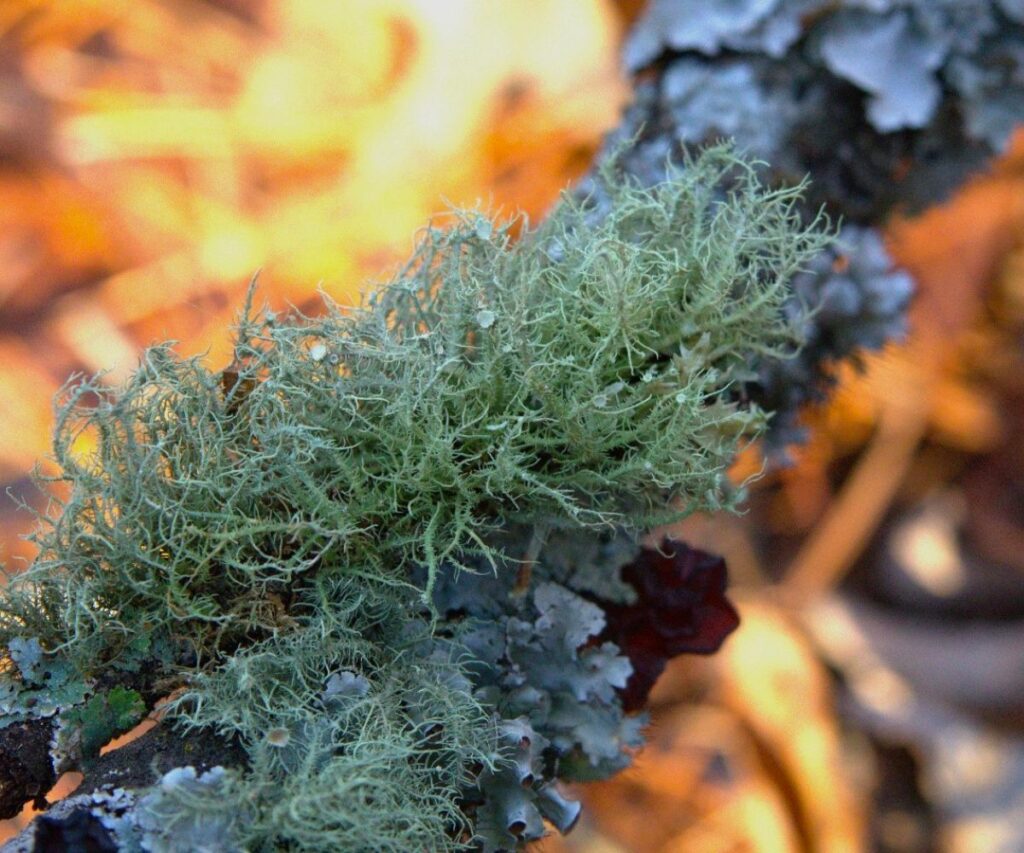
(27, 774)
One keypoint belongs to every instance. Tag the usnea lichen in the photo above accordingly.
(280, 544)
(595, 393)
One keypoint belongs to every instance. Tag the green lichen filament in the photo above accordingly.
(249, 534)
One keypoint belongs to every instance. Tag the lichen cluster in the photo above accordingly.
(887, 105)
(374, 550)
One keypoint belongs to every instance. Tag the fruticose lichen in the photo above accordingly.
(378, 550)
(887, 105)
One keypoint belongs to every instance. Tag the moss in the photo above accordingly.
(104, 717)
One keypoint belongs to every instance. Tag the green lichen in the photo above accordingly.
(254, 536)
(594, 391)
(361, 732)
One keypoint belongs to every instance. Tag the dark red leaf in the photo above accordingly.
(680, 608)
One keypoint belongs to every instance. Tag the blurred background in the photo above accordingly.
(155, 155)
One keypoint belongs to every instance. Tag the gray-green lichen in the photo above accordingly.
(265, 543)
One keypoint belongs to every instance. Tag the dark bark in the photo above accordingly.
(26, 769)
(141, 762)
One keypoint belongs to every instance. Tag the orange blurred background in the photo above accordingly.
(155, 155)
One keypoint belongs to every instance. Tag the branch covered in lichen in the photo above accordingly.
(268, 540)
(579, 375)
